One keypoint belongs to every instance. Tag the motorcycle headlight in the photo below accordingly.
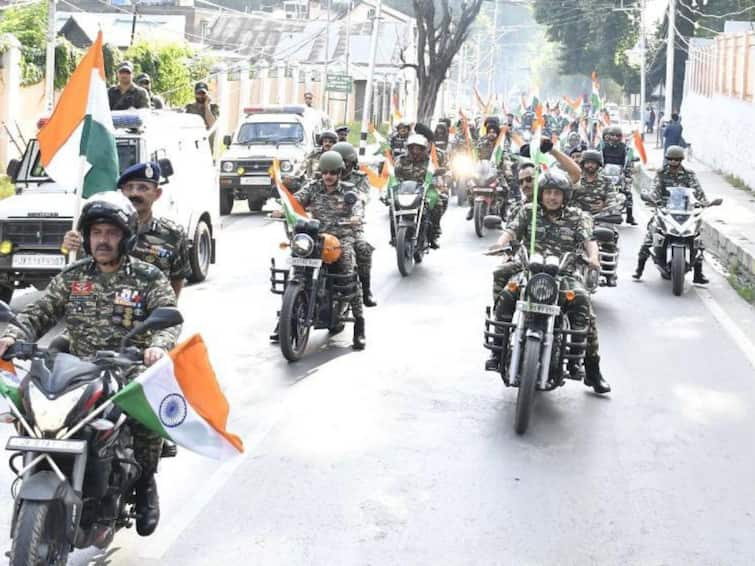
(542, 288)
(287, 166)
(227, 166)
(302, 245)
(406, 200)
(50, 414)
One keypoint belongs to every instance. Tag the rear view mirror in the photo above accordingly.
(227, 140)
(7, 315)
(166, 167)
(492, 222)
(350, 198)
(14, 166)
(159, 319)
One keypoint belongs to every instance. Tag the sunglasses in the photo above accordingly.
(328, 172)
(529, 179)
(674, 160)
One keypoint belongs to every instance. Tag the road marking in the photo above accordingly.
(736, 333)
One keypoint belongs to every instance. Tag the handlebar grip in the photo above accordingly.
(20, 350)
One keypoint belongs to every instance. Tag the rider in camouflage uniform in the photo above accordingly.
(325, 200)
(398, 140)
(616, 152)
(362, 248)
(485, 149)
(593, 192)
(560, 228)
(101, 298)
(673, 174)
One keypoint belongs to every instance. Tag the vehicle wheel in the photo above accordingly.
(677, 270)
(480, 210)
(201, 253)
(404, 251)
(461, 196)
(293, 330)
(6, 293)
(527, 384)
(256, 203)
(226, 202)
(34, 533)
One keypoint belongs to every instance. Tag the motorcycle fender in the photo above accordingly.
(676, 244)
(46, 486)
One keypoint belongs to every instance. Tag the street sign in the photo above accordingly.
(338, 83)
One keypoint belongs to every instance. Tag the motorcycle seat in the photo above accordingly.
(603, 234)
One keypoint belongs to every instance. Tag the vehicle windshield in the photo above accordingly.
(680, 199)
(127, 156)
(612, 170)
(264, 133)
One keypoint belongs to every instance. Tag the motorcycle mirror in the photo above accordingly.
(717, 202)
(7, 315)
(166, 167)
(159, 319)
(492, 222)
(350, 198)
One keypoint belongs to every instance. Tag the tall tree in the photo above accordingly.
(440, 35)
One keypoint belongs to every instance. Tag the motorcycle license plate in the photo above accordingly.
(537, 308)
(304, 262)
(37, 261)
(25, 443)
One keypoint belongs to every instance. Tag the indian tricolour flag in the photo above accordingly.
(179, 398)
(291, 207)
(80, 131)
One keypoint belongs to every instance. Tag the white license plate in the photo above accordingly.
(32, 261)
(537, 308)
(45, 445)
(257, 181)
(304, 262)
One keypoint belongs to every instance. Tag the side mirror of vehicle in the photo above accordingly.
(227, 140)
(716, 202)
(492, 222)
(166, 167)
(159, 319)
(350, 198)
(14, 166)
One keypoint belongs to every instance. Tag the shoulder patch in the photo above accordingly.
(170, 226)
(144, 269)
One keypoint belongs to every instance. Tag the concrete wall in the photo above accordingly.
(721, 130)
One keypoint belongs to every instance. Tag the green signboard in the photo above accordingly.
(338, 83)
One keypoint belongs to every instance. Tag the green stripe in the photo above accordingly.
(132, 400)
(12, 393)
(98, 146)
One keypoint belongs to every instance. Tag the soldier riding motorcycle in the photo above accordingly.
(616, 152)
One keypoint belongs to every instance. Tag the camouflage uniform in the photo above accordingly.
(163, 244)
(134, 97)
(330, 209)
(664, 179)
(567, 233)
(99, 309)
(362, 248)
(590, 193)
(398, 144)
(485, 149)
(408, 170)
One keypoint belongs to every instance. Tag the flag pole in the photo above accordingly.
(72, 254)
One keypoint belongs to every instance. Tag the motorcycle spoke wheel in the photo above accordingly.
(294, 331)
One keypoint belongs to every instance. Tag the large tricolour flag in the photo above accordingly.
(291, 207)
(179, 398)
(77, 144)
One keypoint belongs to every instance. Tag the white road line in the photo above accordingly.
(736, 333)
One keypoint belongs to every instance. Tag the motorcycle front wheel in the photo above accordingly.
(678, 269)
(404, 251)
(38, 537)
(527, 385)
(294, 331)
(480, 211)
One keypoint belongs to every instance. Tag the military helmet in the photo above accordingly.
(492, 122)
(331, 161)
(592, 155)
(403, 124)
(554, 180)
(573, 138)
(328, 134)
(416, 139)
(110, 207)
(674, 152)
(347, 151)
(613, 131)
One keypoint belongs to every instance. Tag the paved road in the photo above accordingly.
(405, 453)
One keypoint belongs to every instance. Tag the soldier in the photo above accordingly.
(485, 149)
(615, 151)
(526, 178)
(101, 298)
(158, 240)
(560, 228)
(593, 192)
(673, 174)
(324, 200)
(145, 82)
(343, 132)
(362, 248)
(203, 106)
(126, 94)
(413, 167)
(398, 139)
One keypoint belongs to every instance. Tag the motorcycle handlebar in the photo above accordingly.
(21, 351)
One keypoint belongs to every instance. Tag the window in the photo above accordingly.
(266, 133)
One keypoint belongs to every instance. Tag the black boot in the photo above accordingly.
(641, 261)
(593, 378)
(470, 213)
(147, 506)
(367, 298)
(275, 336)
(699, 278)
(359, 340)
(630, 217)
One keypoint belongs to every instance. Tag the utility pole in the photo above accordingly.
(370, 72)
(348, 55)
(50, 57)
(643, 83)
(494, 47)
(133, 21)
(326, 56)
(460, 76)
(670, 45)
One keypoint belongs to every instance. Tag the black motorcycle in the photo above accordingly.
(314, 294)
(73, 455)
(607, 236)
(538, 349)
(490, 198)
(411, 224)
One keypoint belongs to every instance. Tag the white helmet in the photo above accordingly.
(416, 139)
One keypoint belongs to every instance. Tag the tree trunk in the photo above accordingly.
(428, 96)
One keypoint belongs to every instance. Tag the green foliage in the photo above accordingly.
(66, 59)
(173, 67)
(6, 187)
(112, 57)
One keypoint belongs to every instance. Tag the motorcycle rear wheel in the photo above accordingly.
(527, 385)
(678, 269)
(294, 333)
(33, 535)
(404, 251)
(480, 210)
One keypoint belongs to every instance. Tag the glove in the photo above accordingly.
(546, 145)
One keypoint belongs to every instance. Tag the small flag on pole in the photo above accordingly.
(291, 207)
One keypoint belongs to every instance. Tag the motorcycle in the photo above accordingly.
(538, 349)
(607, 237)
(462, 168)
(314, 294)
(74, 487)
(411, 224)
(676, 241)
(489, 197)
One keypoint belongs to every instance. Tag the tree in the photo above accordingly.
(439, 38)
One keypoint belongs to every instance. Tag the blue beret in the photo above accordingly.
(149, 171)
